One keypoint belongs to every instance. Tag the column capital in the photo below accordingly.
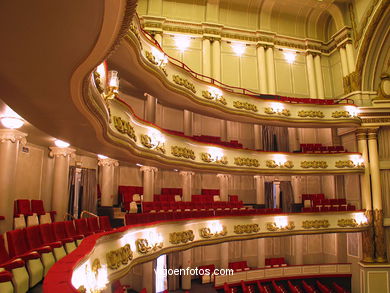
(258, 176)
(65, 152)
(361, 133)
(186, 173)
(148, 169)
(148, 95)
(108, 162)
(225, 176)
(372, 132)
(13, 136)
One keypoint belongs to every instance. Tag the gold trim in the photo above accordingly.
(215, 97)
(124, 127)
(184, 82)
(144, 247)
(316, 224)
(247, 228)
(273, 227)
(206, 232)
(182, 152)
(181, 237)
(239, 161)
(341, 114)
(311, 114)
(206, 157)
(284, 112)
(347, 164)
(314, 164)
(245, 105)
(146, 140)
(272, 164)
(121, 256)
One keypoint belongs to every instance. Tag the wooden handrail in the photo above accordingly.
(88, 213)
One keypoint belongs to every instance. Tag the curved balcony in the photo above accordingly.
(105, 257)
(141, 60)
(147, 141)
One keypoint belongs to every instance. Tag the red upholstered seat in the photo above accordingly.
(18, 245)
(71, 231)
(93, 224)
(82, 227)
(38, 208)
(35, 241)
(260, 287)
(338, 289)
(22, 207)
(6, 261)
(104, 222)
(48, 236)
(322, 287)
(61, 234)
(307, 288)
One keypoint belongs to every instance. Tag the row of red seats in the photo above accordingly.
(165, 197)
(126, 192)
(188, 205)
(173, 191)
(239, 266)
(341, 208)
(209, 191)
(312, 196)
(217, 140)
(275, 262)
(319, 148)
(153, 217)
(329, 201)
(28, 208)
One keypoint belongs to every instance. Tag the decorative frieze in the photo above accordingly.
(213, 96)
(144, 247)
(345, 164)
(273, 164)
(316, 224)
(311, 114)
(246, 229)
(181, 237)
(116, 258)
(347, 223)
(182, 152)
(314, 164)
(184, 82)
(239, 161)
(245, 105)
(283, 112)
(124, 127)
(341, 114)
(274, 227)
(146, 140)
(208, 158)
(207, 233)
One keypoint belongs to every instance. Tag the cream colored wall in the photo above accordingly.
(336, 74)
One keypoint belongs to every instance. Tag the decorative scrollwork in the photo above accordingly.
(314, 164)
(184, 82)
(144, 247)
(345, 164)
(341, 114)
(206, 232)
(208, 158)
(347, 223)
(118, 257)
(210, 96)
(146, 140)
(311, 114)
(273, 227)
(181, 237)
(273, 164)
(135, 31)
(98, 82)
(152, 59)
(245, 105)
(96, 266)
(246, 162)
(284, 112)
(124, 127)
(248, 228)
(182, 152)
(316, 224)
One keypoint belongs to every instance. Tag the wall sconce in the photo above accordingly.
(215, 229)
(238, 48)
(182, 42)
(289, 56)
(280, 223)
(277, 108)
(102, 157)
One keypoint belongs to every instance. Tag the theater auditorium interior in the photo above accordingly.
(195, 146)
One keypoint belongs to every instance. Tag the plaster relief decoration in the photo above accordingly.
(311, 114)
(248, 229)
(314, 164)
(124, 127)
(184, 82)
(281, 223)
(134, 29)
(93, 276)
(359, 220)
(239, 161)
(181, 237)
(279, 164)
(182, 152)
(245, 105)
(157, 58)
(316, 224)
(357, 162)
(216, 157)
(116, 258)
(277, 108)
(152, 244)
(153, 143)
(215, 229)
(215, 95)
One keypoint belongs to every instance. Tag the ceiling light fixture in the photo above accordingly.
(61, 144)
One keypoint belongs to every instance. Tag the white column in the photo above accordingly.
(293, 138)
(344, 62)
(277, 194)
(311, 75)
(298, 249)
(270, 71)
(224, 131)
(259, 184)
(186, 263)
(319, 78)
(10, 140)
(224, 254)
(60, 190)
(374, 169)
(108, 180)
(262, 67)
(350, 57)
(148, 182)
(223, 186)
(206, 61)
(150, 108)
(258, 143)
(365, 185)
(260, 253)
(216, 69)
(147, 276)
(159, 38)
(187, 184)
(188, 122)
(296, 187)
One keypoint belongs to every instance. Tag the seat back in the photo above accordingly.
(45, 219)
(47, 233)
(34, 237)
(136, 197)
(216, 198)
(23, 207)
(59, 230)
(17, 242)
(105, 224)
(19, 222)
(93, 224)
(70, 229)
(37, 207)
(82, 226)
(4, 257)
(32, 220)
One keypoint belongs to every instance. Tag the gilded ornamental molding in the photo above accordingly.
(184, 82)
(147, 141)
(182, 152)
(181, 237)
(239, 161)
(118, 257)
(124, 127)
(62, 152)
(314, 164)
(208, 233)
(245, 106)
(144, 247)
(347, 164)
(283, 112)
(208, 158)
(316, 224)
(272, 164)
(214, 96)
(273, 227)
(341, 114)
(311, 114)
(108, 162)
(246, 229)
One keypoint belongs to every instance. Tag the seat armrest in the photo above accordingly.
(5, 276)
(29, 255)
(13, 264)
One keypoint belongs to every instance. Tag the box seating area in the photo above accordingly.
(299, 100)
(318, 203)
(31, 212)
(275, 262)
(126, 193)
(282, 286)
(239, 266)
(33, 250)
(320, 149)
(143, 218)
